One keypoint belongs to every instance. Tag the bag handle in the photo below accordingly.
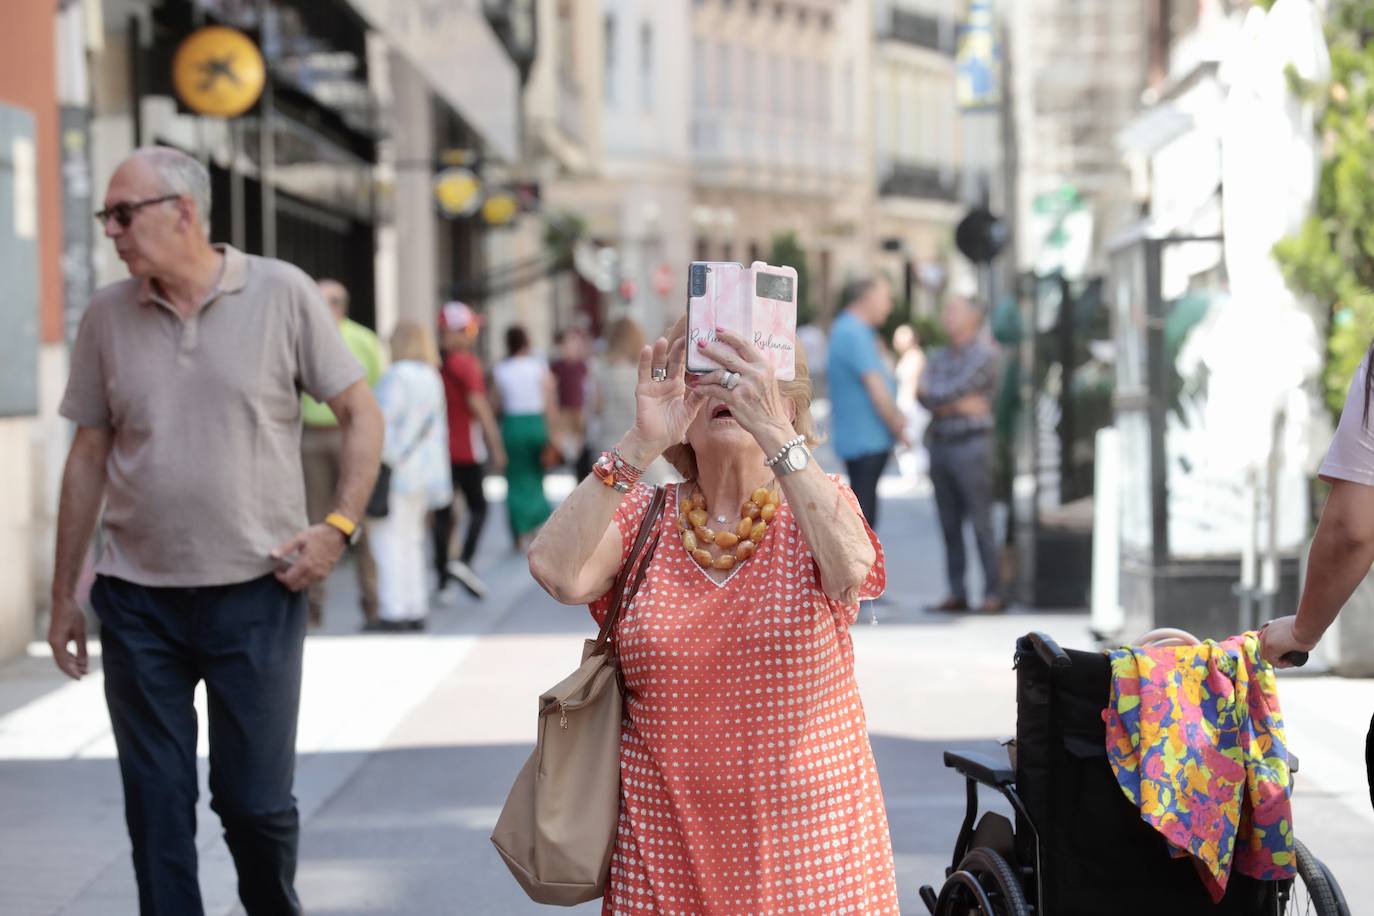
(636, 564)
(415, 443)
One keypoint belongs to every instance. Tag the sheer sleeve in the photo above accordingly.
(876, 582)
(628, 517)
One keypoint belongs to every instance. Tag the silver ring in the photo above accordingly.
(660, 375)
(730, 381)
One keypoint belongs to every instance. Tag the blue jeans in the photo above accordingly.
(961, 475)
(246, 642)
(864, 472)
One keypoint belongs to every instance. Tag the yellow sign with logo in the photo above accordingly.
(500, 208)
(218, 71)
(458, 191)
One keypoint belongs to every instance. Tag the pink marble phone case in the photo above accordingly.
(729, 302)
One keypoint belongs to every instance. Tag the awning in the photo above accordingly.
(455, 49)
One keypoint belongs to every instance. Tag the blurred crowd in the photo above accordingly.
(450, 421)
(891, 397)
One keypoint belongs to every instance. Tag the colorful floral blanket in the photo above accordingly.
(1195, 737)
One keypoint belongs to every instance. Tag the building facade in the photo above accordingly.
(780, 131)
(1078, 70)
(31, 364)
(926, 169)
(333, 169)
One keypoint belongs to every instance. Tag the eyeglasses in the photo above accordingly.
(123, 213)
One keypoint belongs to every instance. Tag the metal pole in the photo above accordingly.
(267, 151)
(1158, 386)
(238, 229)
(1269, 566)
(1245, 589)
(136, 77)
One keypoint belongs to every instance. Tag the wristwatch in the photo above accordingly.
(341, 523)
(791, 458)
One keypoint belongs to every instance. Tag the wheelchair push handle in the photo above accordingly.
(1172, 637)
(1049, 650)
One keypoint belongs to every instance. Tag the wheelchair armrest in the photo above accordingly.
(981, 768)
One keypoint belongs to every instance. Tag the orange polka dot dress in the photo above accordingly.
(747, 780)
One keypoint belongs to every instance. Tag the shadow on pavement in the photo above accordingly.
(409, 832)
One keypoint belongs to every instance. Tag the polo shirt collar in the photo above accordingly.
(233, 277)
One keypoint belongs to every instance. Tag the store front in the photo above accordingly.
(295, 177)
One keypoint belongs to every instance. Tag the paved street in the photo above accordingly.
(410, 742)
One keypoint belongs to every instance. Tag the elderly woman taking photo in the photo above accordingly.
(747, 779)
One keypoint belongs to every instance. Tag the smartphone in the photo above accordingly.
(759, 303)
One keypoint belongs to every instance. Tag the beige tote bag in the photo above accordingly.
(557, 828)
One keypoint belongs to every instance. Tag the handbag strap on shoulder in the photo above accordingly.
(636, 566)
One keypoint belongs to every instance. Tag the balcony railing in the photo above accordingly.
(918, 29)
(919, 181)
(801, 148)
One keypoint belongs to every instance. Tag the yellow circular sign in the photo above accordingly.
(218, 71)
(500, 208)
(458, 192)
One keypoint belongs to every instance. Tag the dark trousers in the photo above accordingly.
(467, 479)
(245, 641)
(864, 472)
(961, 474)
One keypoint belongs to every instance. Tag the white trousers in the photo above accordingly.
(398, 546)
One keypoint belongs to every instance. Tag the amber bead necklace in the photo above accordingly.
(739, 542)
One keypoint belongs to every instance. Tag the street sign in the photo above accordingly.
(978, 61)
(500, 208)
(458, 192)
(980, 236)
(218, 71)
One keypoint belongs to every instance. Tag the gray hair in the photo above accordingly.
(858, 289)
(182, 175)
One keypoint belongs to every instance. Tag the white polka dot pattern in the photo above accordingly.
(747, 779)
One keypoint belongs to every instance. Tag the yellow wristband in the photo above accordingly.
(341, 522)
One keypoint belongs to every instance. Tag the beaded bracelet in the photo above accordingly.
(615, 472)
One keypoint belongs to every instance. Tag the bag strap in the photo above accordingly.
(636, 565)
(415, 443)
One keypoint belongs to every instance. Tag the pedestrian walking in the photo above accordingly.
(184, 390)
(911, 362)
(865, 420)
(411, 394)
(614, 376)
(957, 388)
(745, 755)
(322, 447)
(525, 391)
(811, 338)
(571, 373)
(1343, 546)
(473, 440)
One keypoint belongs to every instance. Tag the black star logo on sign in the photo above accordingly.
(212, 69)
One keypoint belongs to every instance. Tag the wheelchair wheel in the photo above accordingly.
(983, 884)
(1315, 890)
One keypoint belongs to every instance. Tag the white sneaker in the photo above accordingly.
(463, 573)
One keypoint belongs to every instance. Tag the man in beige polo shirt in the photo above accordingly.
(185, 389)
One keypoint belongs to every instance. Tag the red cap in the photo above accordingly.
(458, 316)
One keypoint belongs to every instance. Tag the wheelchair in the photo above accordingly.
(1077, 846)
